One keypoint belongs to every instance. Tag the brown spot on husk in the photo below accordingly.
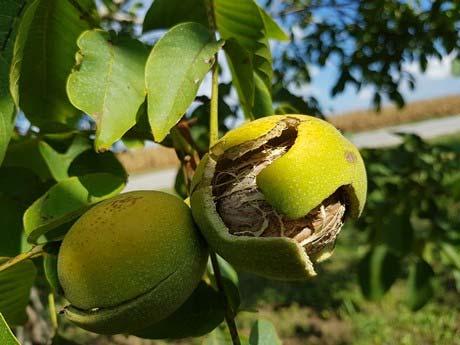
(350, 157)
(242, 205)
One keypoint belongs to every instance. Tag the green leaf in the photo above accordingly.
(50, 268)
(11, 226)
(287, 100)
(240, 20)
(203, 311)
(378, 270)
(67, 200)
(175, 68)
(26, 154)
(44, 160)
(452, 253)
(19, 187)
(15, 284)
(243, 21)
(240, 64)
(8, 25)
(420, 287)
(43, 58)
(90, 162)
(108, 83)
(59, 163)
(164, 14)
(262, 99)
(264, 333)
(222, 337)
(6, 336)
(456, 67)
(230, 282)
(20, 184)
(272, 29)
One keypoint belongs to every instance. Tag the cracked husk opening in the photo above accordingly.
(245, 211)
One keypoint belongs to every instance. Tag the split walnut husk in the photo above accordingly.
(243, 208)
(272, 195)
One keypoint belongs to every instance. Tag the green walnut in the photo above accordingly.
(272, 195)
(130, 261)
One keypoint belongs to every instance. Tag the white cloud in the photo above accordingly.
(313, 70)
(365, 93)
(303, 90)
(436, 69)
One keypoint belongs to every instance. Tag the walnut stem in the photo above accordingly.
(213, 137)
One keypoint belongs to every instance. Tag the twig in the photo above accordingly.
(229, 312)
(34, 252)
(213, 137)
(84, 14)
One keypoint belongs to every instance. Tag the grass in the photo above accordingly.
(452, 140)
(330, 310)
(359, 121)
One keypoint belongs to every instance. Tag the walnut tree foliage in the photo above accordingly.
(91, 76)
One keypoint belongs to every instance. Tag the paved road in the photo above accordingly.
(156, 180)
(428, 129)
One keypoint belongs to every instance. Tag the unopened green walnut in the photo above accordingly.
(271, 196)
(130, 261)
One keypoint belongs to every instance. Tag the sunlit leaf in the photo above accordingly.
(108, 83)
(272, 29)
(222, 337)
(6, 336)
(175, 68)
(15, 284)
(452, 253)
(264, 333)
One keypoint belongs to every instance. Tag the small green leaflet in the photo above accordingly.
(108, 83)
(6, 336)
(263, 333)
(174, 71)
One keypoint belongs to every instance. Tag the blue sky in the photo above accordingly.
(435, 82)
